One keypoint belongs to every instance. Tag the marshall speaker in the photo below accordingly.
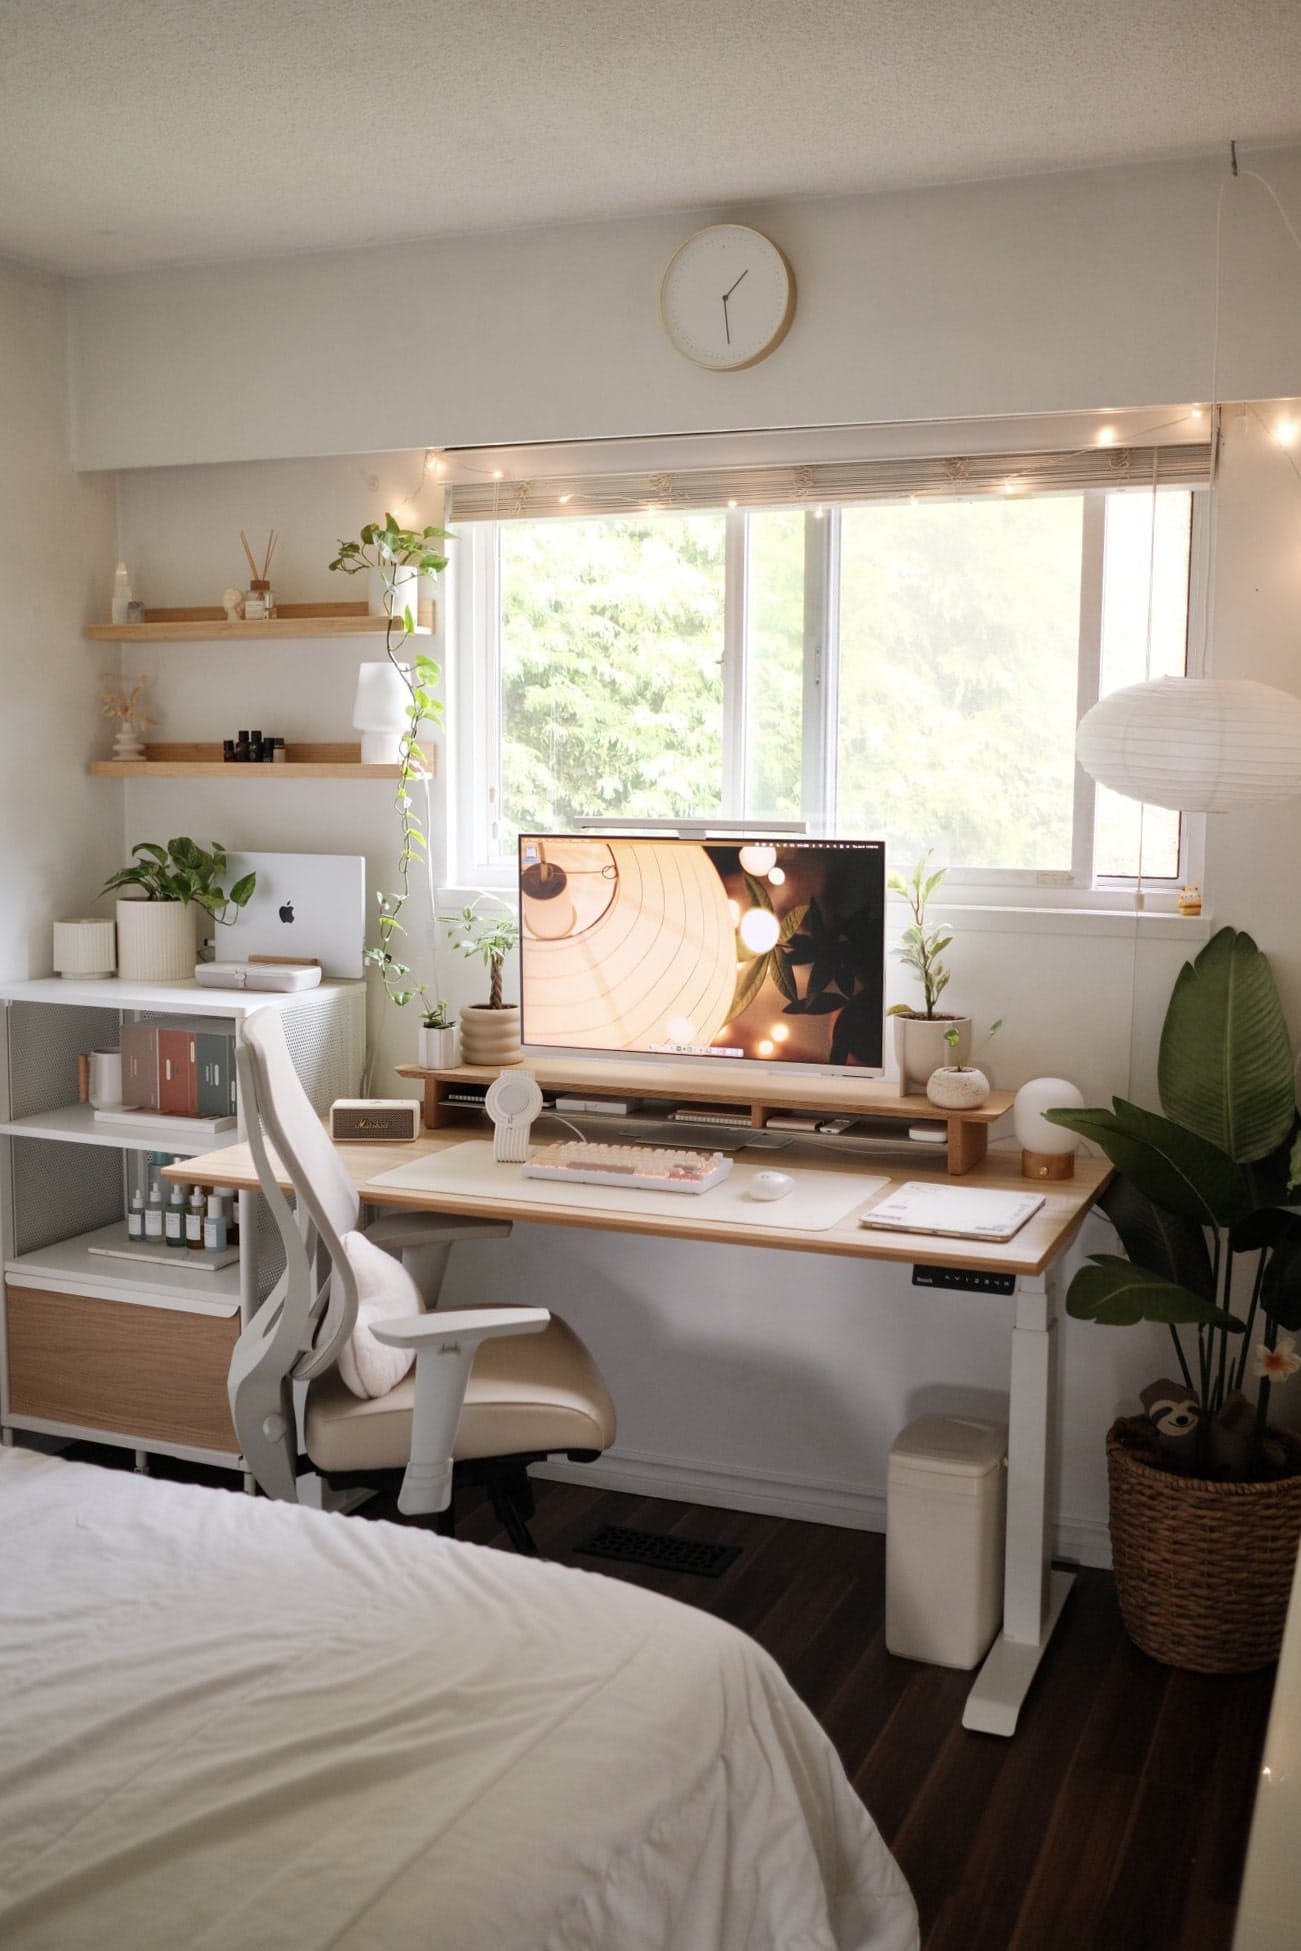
(375, 1120)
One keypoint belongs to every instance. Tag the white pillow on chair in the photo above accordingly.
(385, 1291)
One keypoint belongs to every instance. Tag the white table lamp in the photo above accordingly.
(381, 711)
(1047, 1150)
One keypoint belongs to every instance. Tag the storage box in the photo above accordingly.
(946, 1494)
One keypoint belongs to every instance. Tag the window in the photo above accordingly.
(907, 666)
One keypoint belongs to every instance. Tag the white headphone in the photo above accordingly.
(512, 1103)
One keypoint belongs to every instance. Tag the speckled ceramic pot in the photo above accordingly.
(955, 1089)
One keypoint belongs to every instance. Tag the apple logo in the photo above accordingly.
(286, 911)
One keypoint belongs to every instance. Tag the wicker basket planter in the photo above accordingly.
(1203, 1569)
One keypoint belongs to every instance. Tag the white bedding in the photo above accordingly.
(233, 1725)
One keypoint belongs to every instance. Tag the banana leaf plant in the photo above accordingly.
(1208, 1189)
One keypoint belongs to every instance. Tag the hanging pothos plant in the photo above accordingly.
(388, 548)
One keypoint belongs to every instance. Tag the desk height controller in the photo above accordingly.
(966, 1280)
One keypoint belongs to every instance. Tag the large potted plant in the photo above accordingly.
(394, 559)
(155, 930)
(1205, 1496)
(489, 1031)
(928, 1038)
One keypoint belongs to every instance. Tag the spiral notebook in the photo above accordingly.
(954, 1212)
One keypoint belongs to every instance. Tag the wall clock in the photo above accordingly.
(727, 298)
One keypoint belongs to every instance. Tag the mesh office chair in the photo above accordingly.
(493, 1389)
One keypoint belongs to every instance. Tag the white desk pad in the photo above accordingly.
(820, 1199)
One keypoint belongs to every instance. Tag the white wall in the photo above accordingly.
(1092, 289)
(60, 832)
(737, 1373)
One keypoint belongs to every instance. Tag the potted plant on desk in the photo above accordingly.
(1205, 1496)
(489, 1031)
(925, 1039)
(436, 1039)
(155, 931)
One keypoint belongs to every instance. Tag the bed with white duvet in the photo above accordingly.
(227, 1723)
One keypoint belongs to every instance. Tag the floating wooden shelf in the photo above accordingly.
(682, 1082)
(292, 620)
(206, 762)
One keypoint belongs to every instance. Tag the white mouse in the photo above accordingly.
(771, 1185)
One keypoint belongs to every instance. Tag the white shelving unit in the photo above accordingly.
(125, 1351)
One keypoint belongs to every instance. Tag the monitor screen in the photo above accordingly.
(767, 951)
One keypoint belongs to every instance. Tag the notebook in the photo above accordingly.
(308, 905)
(958, 1212)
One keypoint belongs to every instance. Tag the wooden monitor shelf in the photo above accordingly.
(845, 1096)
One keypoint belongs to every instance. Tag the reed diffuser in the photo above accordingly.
(260, 601)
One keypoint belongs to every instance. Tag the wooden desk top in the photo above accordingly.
(1066, 1201)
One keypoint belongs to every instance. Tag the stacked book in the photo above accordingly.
(184, 1074)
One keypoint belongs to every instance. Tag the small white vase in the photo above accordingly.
(490, 1036)
(957, 1089)
(155, 941)
(921, 1046)
(436, 1049)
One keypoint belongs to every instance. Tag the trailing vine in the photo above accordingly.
(388, 548)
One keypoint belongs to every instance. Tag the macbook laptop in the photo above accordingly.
(309, 905)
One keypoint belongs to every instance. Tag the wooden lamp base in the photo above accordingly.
(1047, 1165)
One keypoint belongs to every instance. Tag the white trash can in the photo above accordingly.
(946, 1494)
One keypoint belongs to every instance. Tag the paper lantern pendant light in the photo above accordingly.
(1196, 744)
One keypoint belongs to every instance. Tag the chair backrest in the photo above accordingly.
(299, 1328)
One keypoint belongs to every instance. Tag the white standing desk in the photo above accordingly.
(1033, 1592)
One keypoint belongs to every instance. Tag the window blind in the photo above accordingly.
(831, 483)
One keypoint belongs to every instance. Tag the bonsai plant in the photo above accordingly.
(1207, 1209)
(400, 556)
(489, 1031)
(922, 1039)
(156, 933)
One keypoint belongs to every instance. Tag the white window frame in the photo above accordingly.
(473, 591)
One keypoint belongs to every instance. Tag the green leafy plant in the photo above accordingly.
(953, 1037)
(436, 1015)
(490, 935)
(921, 944)
(184, 871)
(387, 547)
(1209, 1185)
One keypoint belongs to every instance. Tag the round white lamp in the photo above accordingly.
(1198, 744)
(1047, 1150)
(381, 711)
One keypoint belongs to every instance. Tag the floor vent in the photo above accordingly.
(653, 1548)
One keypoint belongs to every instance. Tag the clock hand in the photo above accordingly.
(728, 293)
(727, 330)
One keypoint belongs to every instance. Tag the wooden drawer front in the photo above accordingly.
(141, 1371)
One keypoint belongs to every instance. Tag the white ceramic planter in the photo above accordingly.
(86, 950)
(490, 1036)
(155, 941)
(955, 1089)
(920, 1047)
(436, 1049)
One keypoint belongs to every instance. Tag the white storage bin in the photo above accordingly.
(946, 1492)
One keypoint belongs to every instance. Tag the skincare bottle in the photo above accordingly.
(214, 1227)
(154, 1214)
(229, 1212)
(135, 1216)
(121, 594)
(174, 1218)
(194, 1213)
(241, 747)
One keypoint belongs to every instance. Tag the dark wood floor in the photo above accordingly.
(1116, 1818)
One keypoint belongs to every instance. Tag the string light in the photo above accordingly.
(1106, 436)
(1285, 432)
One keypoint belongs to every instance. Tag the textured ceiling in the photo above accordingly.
(138, 132)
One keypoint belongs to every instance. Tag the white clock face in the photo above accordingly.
(727, 297)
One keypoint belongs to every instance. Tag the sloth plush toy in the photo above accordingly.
(1172, 1411)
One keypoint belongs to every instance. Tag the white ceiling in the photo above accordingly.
(138, 132)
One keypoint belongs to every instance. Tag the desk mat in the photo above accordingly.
(820, 1199)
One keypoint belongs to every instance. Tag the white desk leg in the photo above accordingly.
(1033, 1594)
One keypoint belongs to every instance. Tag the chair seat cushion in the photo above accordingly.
(385, 1291)
(527, 1393)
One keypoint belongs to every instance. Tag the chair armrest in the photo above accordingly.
(394, 1230)
(424, 1332)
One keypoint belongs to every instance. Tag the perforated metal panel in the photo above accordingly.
(327, 1042)
(62, 1190)
(44, 1044)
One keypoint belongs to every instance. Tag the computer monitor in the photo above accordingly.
(764, 951)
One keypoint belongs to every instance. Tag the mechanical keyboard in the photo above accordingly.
(654, 1168)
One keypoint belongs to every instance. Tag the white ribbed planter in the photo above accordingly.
(155, 941)
(920, 1047)
(436, 1049)
(85, 949)
(490, 1036)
